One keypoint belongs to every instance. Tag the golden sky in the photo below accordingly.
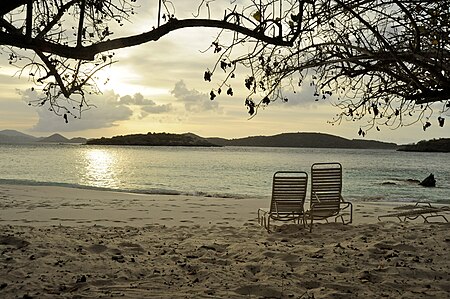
(159, 87)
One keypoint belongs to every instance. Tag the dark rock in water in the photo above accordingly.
(429, 181)
(388, 183)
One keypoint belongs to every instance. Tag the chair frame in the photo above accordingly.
(288, 198)
(326, 199)
(421, 209)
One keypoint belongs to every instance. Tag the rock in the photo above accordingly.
(429, 181)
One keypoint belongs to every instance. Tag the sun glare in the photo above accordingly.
(125, 82)
(100, 169)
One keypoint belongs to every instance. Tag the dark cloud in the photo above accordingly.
(193, 100)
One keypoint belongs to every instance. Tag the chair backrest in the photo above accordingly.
(288, 191)
(326, 183)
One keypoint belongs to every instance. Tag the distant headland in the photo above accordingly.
(304, 140)
(434, 145)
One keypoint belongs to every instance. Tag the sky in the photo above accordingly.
(159, 87)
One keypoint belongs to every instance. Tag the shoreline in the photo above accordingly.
(53, 205)
(56, 242)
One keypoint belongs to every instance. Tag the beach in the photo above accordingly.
(59, 242)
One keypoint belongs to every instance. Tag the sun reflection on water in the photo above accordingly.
(100, 169)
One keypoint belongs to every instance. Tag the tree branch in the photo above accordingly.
(89, 52)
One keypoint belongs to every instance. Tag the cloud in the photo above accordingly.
(193, 100)
(107, 113)
(146, 106)
(305, 96)
(109, 110)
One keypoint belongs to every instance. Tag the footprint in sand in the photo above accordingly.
(97, 248)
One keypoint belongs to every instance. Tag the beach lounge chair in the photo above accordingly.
(420, 209)
(326, 200)
(288, 198)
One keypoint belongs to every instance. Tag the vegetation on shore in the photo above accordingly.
(154, 139)
(300, 140)
(434, 145)
(304, 140)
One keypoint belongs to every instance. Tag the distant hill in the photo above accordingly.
(435, 145)
(55, 138)
(16, 137)
(303, 140)
(309, 140)
(13, 136)
(154, 139)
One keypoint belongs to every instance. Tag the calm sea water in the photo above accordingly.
(238, 172)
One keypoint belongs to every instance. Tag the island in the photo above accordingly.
(154, 139)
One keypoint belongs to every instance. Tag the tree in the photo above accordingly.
(382, 62)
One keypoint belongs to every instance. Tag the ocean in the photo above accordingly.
(229, 172)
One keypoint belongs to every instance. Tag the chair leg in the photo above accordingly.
(260, 220)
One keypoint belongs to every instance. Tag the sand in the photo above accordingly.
(71, 243)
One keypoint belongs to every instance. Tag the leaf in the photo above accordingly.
(441, 121)
(257, 16)
(266, 100)
(207, 76)
(249, 82)
(217, 48)
(212, 95)
(295, 18)
(375, 109)
(251, 106)
(223, 65)
(230, 91)
(426, 125)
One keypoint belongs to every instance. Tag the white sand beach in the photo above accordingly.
(60, 242)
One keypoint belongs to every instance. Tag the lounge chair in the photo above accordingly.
(326, 200)
(288, 198)
(420, 209)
